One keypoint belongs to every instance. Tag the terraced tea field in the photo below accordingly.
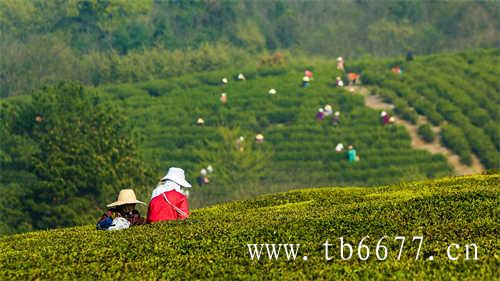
(459, 93)
(212, 244)
(300, 150)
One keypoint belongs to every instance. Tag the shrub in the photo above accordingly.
(124, 91)
(426, 133)
(271, 71)
(211, 244)
(156, 88)
(454, 138)
(403, 110)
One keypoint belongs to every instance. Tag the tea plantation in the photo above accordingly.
(299, 150)
(458, 92)
(212, 244)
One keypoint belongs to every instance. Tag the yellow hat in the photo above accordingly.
(126, 196)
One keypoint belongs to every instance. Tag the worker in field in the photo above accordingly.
(259, 138)
(328, 110)
(240, 144)
(338, 82)
(339, 148)
(272, 91)
(203, 178)
(336, 118)
(409, 56)
(241, 77)
(353, 78)
(351, 154)
(169, 200)
(320, 116)
(200, 122)
(309, 74)
(397, 70)
(210, 169)
(340, 63)
(305, 81)
(223, 98)
(224, 81)
(121, 214)
(38, 118)
(384, 118)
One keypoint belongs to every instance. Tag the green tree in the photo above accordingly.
(235, 166)
(84, 154)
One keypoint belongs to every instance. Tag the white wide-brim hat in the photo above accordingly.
(126, 196)
(177, 175)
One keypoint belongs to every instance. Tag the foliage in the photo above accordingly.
(457, 89)
(80, 153)
(212, 243)
(453, 138)
(102, 41)
(426, 133)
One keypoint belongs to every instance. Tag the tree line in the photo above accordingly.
(99, 41)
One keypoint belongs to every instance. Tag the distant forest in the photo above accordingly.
(102, 41)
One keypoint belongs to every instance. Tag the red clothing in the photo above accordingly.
(352, 76)
(160, 210)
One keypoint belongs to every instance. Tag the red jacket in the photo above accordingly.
(160, 210)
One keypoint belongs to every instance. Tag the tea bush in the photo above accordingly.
(426, 133)
(460, 88)
(166, 120)
(212, 243)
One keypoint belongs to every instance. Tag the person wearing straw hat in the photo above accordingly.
(336, 118)
(320, 116)
(240, 144)
(259, 138)
(340, 63)
(328, 110)
(305, 81)
(200, 122)
(223, 98)
(339, 148)
(121, 213)
(203, 179)
(338, 82)
(351, 154)
(384, 118)
(169, 198)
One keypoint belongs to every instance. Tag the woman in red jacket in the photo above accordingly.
(169, 198)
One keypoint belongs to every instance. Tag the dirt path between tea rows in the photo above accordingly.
(376, 103)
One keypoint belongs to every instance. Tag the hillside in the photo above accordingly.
(300, 151)
(212, 244)
(457, 94)
(297, 151)
(159, 118)
(99, 42)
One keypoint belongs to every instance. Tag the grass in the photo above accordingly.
(212, 243)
